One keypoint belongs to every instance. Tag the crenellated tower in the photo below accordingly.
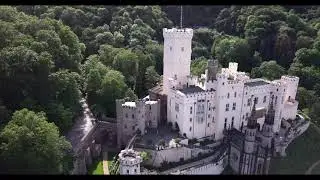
(176, 56)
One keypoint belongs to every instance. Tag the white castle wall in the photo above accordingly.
(172, 154)
(212, 169)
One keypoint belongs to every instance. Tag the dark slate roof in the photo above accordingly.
(256, 83)
(191, 89)
(157, 89)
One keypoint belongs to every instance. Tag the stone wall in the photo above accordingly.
(91, 145)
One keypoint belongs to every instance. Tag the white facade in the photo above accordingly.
(204, 106)
(129, 162)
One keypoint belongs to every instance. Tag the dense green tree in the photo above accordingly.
(268, 69)
(306, 98)
(151, 77)
(233, 49)
(315, 113)
(113, 87)
(127, 62)
(198, 66)
(31, 145)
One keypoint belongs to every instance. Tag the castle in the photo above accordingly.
(254, 118)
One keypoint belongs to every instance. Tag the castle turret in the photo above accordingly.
(176, 56)
(212, 70)
(129, 162)
(250, 142)
(252, 120)
(267, 128)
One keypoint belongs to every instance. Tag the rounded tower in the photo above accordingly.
(176, 56)
(291, 83)
(129, 162)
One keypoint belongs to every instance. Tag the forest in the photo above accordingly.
(52, 56)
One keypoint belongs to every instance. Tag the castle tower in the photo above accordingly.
(267, 128)
(141, 115)
(291, 87)
(212, 69)
(249, 154)
(129, 162)
(176, 56)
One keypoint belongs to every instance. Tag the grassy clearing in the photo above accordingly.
(301, 154)
(96, 168)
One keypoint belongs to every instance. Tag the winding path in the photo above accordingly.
(105, 163)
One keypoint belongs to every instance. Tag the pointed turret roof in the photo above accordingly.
(269, 119)
(252, 120)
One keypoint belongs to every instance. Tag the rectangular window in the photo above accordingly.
(208, 115)
(235, 94)
(190, 119)
(257, 100)
(249, 102)
(247, 114)
(190, 129)
(276, 100)
(177, 107)
(212, 119)
(234, 106)
(191, 110)
(208, 124)
(264, 99)
(228, 95)
(227, 107)
(132, 116)
(225, 120)
(126, 115)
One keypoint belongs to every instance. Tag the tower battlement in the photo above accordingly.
(178, 33)
(290, 78)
